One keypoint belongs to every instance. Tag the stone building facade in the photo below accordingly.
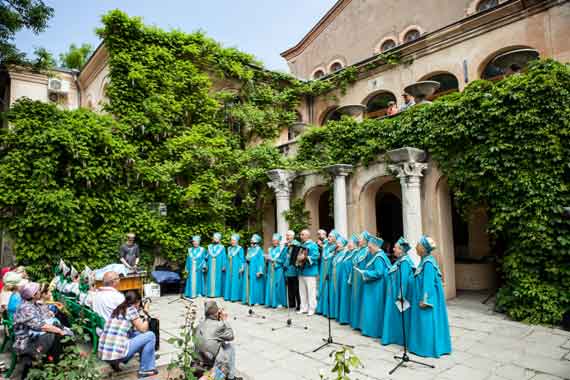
(452, 42)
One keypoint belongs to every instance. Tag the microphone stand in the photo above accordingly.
(289, 322)
(404, 358)
(250, 313)
(329, 340)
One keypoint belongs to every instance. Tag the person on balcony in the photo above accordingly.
(408, 102)
(392, 108)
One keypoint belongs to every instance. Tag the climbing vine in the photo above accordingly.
(502, 146)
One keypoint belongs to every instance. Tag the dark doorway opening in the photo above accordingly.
(326, 221)
(389, 221)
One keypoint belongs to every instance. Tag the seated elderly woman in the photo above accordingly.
(10, 297)
(126, 334)
(34, 336)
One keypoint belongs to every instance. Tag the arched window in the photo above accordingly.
(508, 62)
(336, 67)
(387, 45)
(448, 84)
(378, 105)
(411, 35)
(332, 114)
(318, 74)
(483, 5)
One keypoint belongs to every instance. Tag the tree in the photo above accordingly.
(16, 15)
(76, 56)
(43, 59)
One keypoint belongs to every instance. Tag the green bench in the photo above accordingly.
(8, 342)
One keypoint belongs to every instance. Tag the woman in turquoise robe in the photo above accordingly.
(374, 289)
(254, 289)
(336, 273)
(429, 335)
(195, 267)
(343, 276)
(325, 283)
(233, 287)
(359, 261)
(275, 293)
(400, 273)
(216, 267)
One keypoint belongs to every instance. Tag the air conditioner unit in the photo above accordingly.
(58, 85)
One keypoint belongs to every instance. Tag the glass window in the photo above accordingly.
(412, 35)
(387, 45)
(318, 74)
(486, 4)
(336, 66)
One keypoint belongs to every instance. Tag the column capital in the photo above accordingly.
(408, 169)
(281, 181)
(407, 154)
(341, 170)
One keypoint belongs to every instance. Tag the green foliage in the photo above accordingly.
(43, 59)
(182, 366)
(344, 361)
(76, 56)
(297, 217)
(503, 146)
(73, 365)
(16, 15)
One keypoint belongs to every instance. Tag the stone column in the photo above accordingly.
(340, 172)
(282, 184)
(408, 167)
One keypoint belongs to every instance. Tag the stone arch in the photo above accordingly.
(448, 82)
(445, 254)
(336, 65)
(376, 103)
(329, 114)
(408, 29)
(369, 198)
(310, 187)
(484, 70)
(318, 72)
(314, 204)
(378, 46)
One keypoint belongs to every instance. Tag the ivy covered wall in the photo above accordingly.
(73, 182)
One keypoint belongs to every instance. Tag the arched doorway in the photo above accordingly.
(331, 114)
(389, 218)
(448, 83)
(377, 104)
(326, 218)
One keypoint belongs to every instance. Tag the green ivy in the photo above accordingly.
(297, 217)
(503, 146)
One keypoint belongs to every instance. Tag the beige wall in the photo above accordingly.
(93, 79)
(356, 32)
(35, 86)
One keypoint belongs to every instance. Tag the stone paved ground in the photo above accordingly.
(486, 346)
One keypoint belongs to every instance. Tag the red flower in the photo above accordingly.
(50, 358)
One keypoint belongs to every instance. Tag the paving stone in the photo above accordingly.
(513, 372)
(543, 376)
(560, 368)
(465, 373)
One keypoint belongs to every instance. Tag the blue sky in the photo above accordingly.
(264, 28)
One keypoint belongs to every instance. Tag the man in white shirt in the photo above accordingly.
(107, 297)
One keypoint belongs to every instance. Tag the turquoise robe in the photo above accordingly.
(275, 293)
(233, 287)
(311, 267)
(359, 261)
(216, 267)
(344, 293)
(195, 264)
(253, 289)
(325, 285)
(392, 329)
(374, 294)
(337, 282)
(429, 335)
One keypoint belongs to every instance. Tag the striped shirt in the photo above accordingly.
(114, 341)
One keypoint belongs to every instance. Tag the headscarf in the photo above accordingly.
(334, 233)
(29, 290)
(12, 279)
(355, 238)
(276, 236)
(197, 238)
(341, 240)
(375, 240)
(427, 243)
(403, 243)
(256, 238)
(366, 235)
(235, 237)
(218, 236)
